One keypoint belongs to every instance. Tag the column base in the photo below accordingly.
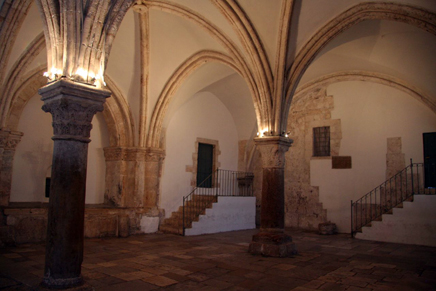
(272, 244)
(68, 283)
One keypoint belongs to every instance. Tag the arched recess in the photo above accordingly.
(118, 117)
(176, 80)
(13, 15)
(366, 77)
(364, 11)
(261, 97)
(14, 78)
(116, 113)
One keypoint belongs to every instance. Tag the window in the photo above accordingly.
(321, 141)
(205, 165)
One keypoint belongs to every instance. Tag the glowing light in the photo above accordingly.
(53, 74)
(82, 73)
(263, 132)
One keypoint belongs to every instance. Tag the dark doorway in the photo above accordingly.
(429, 140)
(204, 165)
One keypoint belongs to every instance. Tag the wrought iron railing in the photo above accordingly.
(219, 183)
(417, 178)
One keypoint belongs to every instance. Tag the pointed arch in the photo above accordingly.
(248, 36)
(371, 10)
(116, 113)
(118, 117)
(176, 80)
(14, 78)
(367, 77)
(262, 101)
(13, 15)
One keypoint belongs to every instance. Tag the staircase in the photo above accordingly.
(412, 223)
(391, 194)
(193, 209)
(219, 183)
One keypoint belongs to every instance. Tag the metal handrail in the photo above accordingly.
(219, 183)
(414, 179)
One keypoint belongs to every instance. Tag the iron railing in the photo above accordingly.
(417, 178)
(219, 183)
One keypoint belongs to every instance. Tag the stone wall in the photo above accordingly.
(302, 206)
(28, 223)
(313, 109)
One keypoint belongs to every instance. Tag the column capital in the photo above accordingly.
(154, 155)
(9, 139)
(72, 105)
(272, 150)
(124, 154)
(140, 7)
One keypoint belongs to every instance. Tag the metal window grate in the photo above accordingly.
(321, 141)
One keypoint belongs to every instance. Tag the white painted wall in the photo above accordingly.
(370, 113)
(229, 214)
(33, 156)
(413, 224)
(204, 116)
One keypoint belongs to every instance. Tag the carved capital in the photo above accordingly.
(72, 106)
(9, 139)
(154, 155)
(140, 7)
(134, 154)
(112, 154)
(124, 154)
(272, 150)
(4, 134)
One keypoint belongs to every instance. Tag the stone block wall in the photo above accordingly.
(28, 224)
(302, 206)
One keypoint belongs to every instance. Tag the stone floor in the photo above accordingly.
(221, 262)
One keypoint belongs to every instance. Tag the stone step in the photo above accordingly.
(193, 209)
(170, 229)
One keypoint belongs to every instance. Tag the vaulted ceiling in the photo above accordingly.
(181, 29)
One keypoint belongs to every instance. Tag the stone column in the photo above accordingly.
(271, 239)
(152, 174)
(72, 106)
(8, 143)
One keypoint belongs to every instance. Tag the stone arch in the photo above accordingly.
(383, 11)
(14, 78)
(262, 100)
(248, 36)
(387, 80)
(118, 117)
(175, 81)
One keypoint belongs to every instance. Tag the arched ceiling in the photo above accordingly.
(397, 49)
(387, 47)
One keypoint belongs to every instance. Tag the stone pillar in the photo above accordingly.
(271, 239)
(153, 172)
(8, 143)
(72, 106)
(124, 176)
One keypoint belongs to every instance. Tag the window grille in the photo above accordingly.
(321, 141)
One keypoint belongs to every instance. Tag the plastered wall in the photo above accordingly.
(370, 114)
(205, 117)
(33, 156)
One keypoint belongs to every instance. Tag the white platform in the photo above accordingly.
(229, 214)
(413, 224)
